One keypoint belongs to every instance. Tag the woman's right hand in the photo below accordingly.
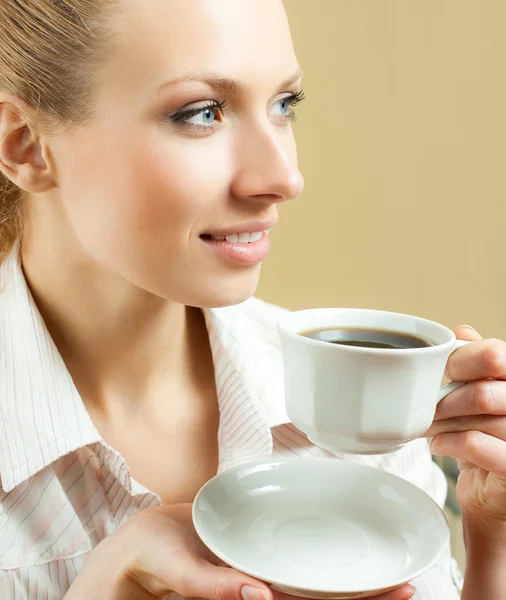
(157, 552)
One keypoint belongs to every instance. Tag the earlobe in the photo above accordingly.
(21, 152)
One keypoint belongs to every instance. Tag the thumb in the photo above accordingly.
(404, 592)
(468, 333)
(200, 578)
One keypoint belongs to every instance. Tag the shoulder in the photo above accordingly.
(26, 539)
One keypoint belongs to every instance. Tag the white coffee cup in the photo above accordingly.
(357, 399)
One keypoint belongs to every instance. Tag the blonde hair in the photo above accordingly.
(49, 53)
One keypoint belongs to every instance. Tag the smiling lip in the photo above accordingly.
(249, 227)
(247, 253)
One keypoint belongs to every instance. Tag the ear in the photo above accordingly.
(23, 156)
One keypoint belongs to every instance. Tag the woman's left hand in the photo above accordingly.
(470, 425)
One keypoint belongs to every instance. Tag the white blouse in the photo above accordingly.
(63, 488)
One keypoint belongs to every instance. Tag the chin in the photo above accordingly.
(233, 290)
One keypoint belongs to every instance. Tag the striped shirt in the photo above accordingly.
(63, 488)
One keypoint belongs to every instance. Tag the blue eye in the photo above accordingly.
(204, 117)
(285, 106)
(207, 115)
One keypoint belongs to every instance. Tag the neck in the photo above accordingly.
(119, 342)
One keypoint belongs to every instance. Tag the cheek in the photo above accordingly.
(136, 185)
(171, 190)
(138, 204)
(175, 182)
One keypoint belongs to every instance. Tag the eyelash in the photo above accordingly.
(181, 118)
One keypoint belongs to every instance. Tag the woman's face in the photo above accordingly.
(192, 139)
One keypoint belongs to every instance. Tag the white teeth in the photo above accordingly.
(240, 238)
(245, 238)
(255, 237)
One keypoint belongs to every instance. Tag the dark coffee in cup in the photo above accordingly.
(368, 338)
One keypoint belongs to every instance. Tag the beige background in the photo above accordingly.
(402, 144)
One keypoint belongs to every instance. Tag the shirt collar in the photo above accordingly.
(42, 416)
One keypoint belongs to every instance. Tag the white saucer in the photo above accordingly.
(321, 527)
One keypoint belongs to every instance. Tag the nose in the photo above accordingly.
(266, 165)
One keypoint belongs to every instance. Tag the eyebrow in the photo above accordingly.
(223, 84)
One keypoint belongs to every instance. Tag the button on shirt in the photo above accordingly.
(64, 489)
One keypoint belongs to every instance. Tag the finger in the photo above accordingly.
(404, 592)
(479, 360)
(468, 333)
(218, 583)
(484, 451)
(199, 578)
(491, 425)
(484, 397)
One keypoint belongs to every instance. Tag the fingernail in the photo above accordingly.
(468, 326)
(413, 593)
(249, 592)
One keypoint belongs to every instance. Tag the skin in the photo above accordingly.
(114, 259)
(470, 425)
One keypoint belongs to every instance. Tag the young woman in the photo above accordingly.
(145, 147)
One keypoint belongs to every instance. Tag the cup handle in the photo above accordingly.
(453, 385)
